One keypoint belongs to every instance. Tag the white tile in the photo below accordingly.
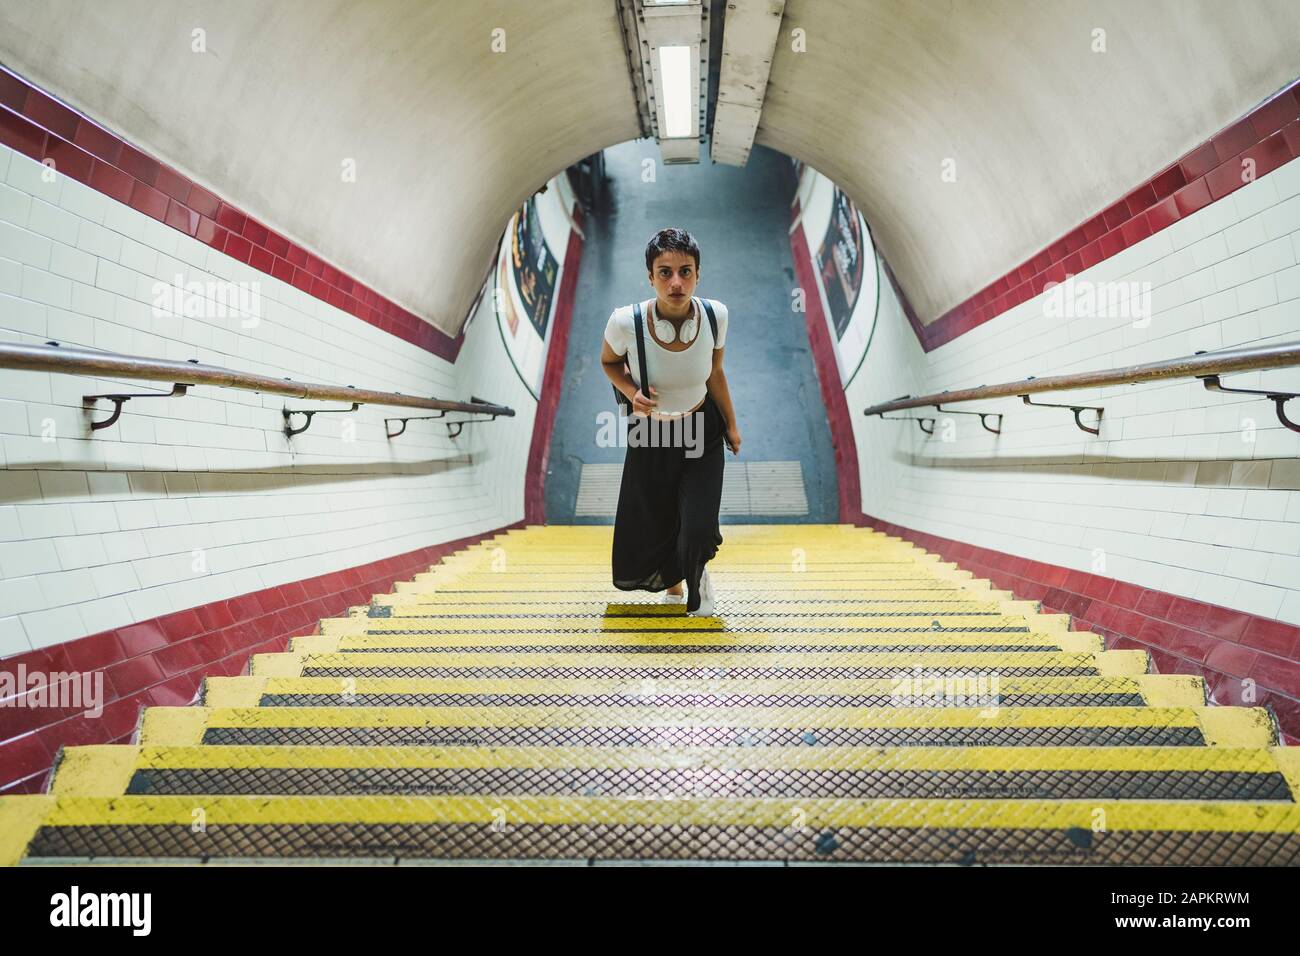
(51, 221)
(69, 328)
(18, 558)
(53, 626)
(1273, 256)
(20, 594)
(94, 517)
(1233, 271)
(115, 278)
(1257, 294)
(1261, 599)
(132, 515)
(15, 205)
(80, 551)
(11, 277)
(1245, 235)
(99, 241)
(1255, 197)
(66, 587)
(1285, 474)
(1283, 219)
(1286, 179)
(24, 246)
(104, 614)
(141, 258)
(34, 178)
(125, 221)
(1217, 589)
(46, 288)
(84, 202)
(13, 638)
(1218, 215)
(63, 486)
(113, 579)
(91, 301)
(1278, 537)
(124, 546)
(1284, 571)
(19, 315)
(73, 263)
(153, 602)
(45, 521)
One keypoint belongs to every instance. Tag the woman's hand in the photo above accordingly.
(733, 439)
(642, 405)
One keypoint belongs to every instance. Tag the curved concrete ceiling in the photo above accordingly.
(449, 137)
(1045, 132)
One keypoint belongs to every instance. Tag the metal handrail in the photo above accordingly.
(70, 360)
(1206, 366)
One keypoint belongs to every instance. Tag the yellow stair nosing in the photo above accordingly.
(943, 814)
(1156, 690)
(1237, 727)
(107, 769)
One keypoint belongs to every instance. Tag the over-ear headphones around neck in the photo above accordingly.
(666, 332)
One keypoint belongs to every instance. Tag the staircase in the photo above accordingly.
(854, 698)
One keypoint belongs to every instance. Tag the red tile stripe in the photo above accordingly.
(1269, 135)
(162, 661)
(1183, 636)
(37, 125)
(539, 451)
(833, 397)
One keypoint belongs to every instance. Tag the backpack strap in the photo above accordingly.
(640, 347)
(713, 320)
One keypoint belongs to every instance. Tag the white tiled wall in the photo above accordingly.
(190, 500)
(1185, 490)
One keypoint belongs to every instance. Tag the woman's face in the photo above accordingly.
(674, 278)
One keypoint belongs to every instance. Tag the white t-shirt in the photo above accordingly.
(677, 377)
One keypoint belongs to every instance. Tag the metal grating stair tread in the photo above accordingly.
(852, 698)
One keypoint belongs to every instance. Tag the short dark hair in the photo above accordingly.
(671, 240)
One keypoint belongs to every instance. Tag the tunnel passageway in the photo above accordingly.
(741, 218)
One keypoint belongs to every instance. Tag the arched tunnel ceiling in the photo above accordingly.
(449, 137)
(1045, 132)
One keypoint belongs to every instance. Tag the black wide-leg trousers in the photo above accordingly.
(666, 528)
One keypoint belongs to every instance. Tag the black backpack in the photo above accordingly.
(640, 349)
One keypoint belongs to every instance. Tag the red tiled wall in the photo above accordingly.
(37, 125)
(1270, 135)
(162, 661)
(539, 452)
(823, 350)
(1183, 636)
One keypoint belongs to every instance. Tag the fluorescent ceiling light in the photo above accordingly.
(675, 88)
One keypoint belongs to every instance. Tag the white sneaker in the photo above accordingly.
(674, 598)
(707, 601)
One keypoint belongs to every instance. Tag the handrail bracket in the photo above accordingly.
(118, 399)
(492, 416)
(1074, 408)
(409, 418)
(290, 431)
(909, 418)
(984, 417)
(1279, 399)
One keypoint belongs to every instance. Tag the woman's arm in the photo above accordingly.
(717, 387)
(613, 364)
